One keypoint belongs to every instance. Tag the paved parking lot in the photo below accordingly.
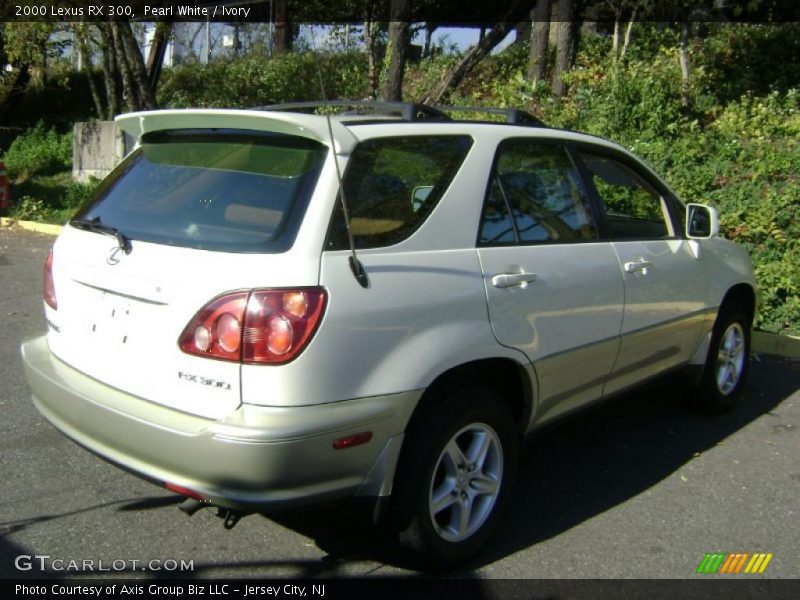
(638, 488)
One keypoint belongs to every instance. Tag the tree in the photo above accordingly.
(283, 29)
(81, 31)
(108, 63)
(135, 60)
(122, 62)
(26, 47)
(426, 47)
(683, 57)
(129, 91)
(688, 11)
(395, 59)
(619, 8)
(540, 39)
(372, 29)
(31, 45)
(566, 29)
(155, 58)
(474, 55)
(627, 42)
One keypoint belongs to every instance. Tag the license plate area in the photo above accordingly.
(110, 320)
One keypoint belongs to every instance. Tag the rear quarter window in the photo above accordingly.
(214, 190)
(391, 185)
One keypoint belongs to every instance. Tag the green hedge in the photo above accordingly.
(39, 151)
(255, 81)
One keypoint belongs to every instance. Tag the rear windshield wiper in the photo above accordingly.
(97, 226)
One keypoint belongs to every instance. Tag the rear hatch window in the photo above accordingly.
(226, 190)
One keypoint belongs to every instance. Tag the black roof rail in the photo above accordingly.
(408, 111)
(514, 116)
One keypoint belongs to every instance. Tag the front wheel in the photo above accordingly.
(455, 475)
(726, 365)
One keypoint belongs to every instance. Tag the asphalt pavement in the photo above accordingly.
(636, 488)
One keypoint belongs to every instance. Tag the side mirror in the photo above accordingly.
(702, 221)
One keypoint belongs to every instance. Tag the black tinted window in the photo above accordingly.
(496, 224)
(541, 187)
(633, 209)
(391, 186)
(228, 191)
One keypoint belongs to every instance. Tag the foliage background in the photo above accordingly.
(736, 146)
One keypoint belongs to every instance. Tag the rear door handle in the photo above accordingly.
(637, 265)
(504, 280)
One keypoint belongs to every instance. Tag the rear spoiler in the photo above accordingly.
(313, 127)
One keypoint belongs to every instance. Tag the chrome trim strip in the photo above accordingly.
(120, 294)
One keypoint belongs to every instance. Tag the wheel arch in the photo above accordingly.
(744, 294)
(513, 381)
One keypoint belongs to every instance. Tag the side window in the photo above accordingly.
(496, 224)
(391, 186)
(535, 195)
(633, 209)
(680, 216)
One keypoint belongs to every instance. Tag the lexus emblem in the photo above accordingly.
(113, 256)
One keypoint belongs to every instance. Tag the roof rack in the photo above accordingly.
(513, 116)
(408, 111)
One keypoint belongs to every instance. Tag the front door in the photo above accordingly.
(664, 280)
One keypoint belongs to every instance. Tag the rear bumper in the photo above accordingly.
(254, 457)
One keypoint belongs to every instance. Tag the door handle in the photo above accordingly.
(504, 280)
(637, 265)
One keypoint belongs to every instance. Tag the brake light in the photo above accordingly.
(255, 327)
(49, 286)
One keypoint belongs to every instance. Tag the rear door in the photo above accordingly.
(664, 280)
(554, 288)
(202, 213)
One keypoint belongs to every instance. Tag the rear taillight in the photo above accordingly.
(49, 286)
(215, 331)
(259, 327)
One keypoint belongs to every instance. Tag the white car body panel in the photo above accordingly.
(580, 282)
(665, 308)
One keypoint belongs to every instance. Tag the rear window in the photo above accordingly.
(223, 190)
(392, 185)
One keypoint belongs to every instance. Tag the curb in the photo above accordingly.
(763, 342)
(772, 343)
(46, 228)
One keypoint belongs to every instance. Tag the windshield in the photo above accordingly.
(211, 189)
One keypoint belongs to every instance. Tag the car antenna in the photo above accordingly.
(355, 265)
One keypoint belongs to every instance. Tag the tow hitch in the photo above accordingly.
(230, 516)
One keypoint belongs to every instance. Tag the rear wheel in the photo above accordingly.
(726, 365)
(455, 475)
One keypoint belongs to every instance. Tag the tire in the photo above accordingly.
(726, 365)
(455, 476)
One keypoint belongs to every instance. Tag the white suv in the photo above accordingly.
(222, 321)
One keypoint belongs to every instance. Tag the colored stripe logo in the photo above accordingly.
(734, 563)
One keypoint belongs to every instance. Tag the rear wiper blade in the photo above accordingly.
(97, 226)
